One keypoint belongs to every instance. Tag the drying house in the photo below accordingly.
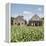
(34, 21)
(18, 21)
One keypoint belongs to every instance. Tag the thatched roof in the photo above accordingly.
(20, 18)
(35, 18)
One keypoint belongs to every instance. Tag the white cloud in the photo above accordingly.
(39, 9)
(27, 15)
(26, 12)
(41, 15)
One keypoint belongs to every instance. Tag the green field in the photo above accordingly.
(27, 33)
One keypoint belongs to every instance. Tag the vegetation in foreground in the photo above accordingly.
(27, 33)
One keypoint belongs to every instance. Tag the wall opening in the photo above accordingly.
(18, 23)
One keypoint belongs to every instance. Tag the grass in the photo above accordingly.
(27, 33)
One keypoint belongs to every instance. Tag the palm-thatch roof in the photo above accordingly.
(35, 18)
(19, 18)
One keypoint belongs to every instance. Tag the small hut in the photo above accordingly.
(35, 21)
(19, 20)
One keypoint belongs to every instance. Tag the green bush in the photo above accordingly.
(26, 33)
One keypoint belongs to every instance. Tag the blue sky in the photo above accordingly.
(26, 10)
